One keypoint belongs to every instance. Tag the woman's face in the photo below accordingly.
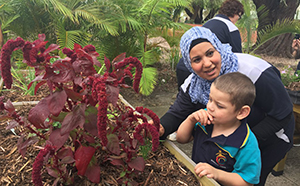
(205, 61)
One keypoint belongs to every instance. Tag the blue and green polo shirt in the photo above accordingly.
(238, 153)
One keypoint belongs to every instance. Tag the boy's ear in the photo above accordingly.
(243, 112)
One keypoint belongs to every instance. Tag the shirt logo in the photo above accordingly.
(220, 158)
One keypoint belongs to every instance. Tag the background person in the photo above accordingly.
(224, 148)
(271, 118)
(223, 25)
(296, 49)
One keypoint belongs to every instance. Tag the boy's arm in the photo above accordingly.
(184, 132)
(223, 177)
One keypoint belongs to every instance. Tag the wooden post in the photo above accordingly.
(182, 157)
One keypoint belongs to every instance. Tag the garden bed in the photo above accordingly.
(162, 167)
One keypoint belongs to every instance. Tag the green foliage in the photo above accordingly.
(289, 76)
(145, 149)
(112, 26)
(280, 27)
(248, 23)
(174, 57)
(148, 80)
(23, 78)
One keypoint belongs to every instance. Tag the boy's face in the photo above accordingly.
(220, 107)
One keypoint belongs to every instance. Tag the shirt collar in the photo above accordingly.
(223, 16)
(237, 139)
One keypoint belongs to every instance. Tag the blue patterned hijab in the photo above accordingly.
(199, 87)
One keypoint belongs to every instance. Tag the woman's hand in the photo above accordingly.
(161, 128)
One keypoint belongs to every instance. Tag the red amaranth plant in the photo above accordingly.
(72, 121)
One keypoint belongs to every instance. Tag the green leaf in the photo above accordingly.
(148, 80)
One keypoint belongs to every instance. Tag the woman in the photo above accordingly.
(271, 118)
(223, 25)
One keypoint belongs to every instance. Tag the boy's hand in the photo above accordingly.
(202, 116)
(204, 169)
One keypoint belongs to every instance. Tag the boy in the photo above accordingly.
(224, 147)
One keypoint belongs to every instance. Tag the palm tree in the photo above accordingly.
(113, 26)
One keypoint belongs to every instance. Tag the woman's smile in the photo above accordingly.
(205, 60)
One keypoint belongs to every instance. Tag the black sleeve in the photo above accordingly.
(269, 126)
(272, 109)
(236, 41)
(177, 113)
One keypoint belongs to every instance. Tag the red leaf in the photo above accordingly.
(116, 162)
(73, 95)
(113, 144)
(12, 124)
(9, 106)
(38, 114)
(93, 173)
(107, 63)
(51, 48)
(37, 86)
(42, 37)
(137, 163)
(67, 160)
(57, 102)
(57, 139)
(91, 123)
(52, 172)
(119, 58)
(84, 66)
(73, 119)
(112, 94)
(88, 138)
(60, 72)
(22, 146)
(66, 151)
(77, 46)
(83, 156)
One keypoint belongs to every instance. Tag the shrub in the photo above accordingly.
(72, 122)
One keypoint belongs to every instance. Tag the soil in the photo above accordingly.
(162, 168)
(16, 170)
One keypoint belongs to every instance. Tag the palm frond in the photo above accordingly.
(60, 7)
(150, 57)
(69, 38)
(8, 21)
(148, 80)
(280, 27)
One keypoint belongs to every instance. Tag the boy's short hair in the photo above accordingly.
(231, 8)
(238, 86)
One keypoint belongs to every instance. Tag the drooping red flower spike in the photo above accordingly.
(38, 165)
(6, 52)
(151, 114)
(153, 132)
(132, 62)
(99, 94)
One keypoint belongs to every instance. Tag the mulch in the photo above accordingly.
(162, 168)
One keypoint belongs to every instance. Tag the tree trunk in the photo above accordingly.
(211, 14)
(197, 15)
(276, 10)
